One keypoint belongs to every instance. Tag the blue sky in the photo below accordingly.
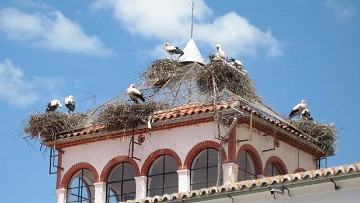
(293, 50)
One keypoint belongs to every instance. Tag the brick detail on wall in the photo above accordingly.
(198, 148)
(116, 161)
(278, 163)
(59, 170)
(156, 154)
(232, 146)
(254, 156)
(75, 168)
(298, 170)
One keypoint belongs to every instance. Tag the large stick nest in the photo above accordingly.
(226, 77)
(48, 125)
(161, 71)
(323, 136)
(120, 117)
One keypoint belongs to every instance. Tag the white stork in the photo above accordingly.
(70, 103)
(53, 105)
(306, 115)
(135, 94)
(298, 109)
(220, 53)
(236, 63)
(172, 50)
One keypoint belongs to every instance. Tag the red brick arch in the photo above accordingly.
(278, 163)
(298, 170)
(75, 168)
(116, 161)
(254, 156)
(198, 148)
(156, 154)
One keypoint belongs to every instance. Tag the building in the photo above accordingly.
(215, 147)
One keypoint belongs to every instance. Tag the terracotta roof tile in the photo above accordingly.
(265, 182)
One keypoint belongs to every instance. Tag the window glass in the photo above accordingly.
(162, 176)
(246, 167)
(272, 170)
(121, 183)
(204, 170)
(81, 187)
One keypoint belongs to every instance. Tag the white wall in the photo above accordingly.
(181, 140)
(287, 153)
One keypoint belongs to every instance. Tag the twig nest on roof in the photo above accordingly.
(48, 125)
(225, 77)
(323, 135)
(119, 117)
(161, 71)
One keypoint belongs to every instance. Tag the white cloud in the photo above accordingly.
(170, 20)
(341, 9)
(52, 31)
(18, 90)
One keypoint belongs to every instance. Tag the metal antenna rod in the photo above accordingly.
(192, 19)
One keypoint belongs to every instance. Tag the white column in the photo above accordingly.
(61, 195)
(140, 187)
(100, 192)
(230, 171)
(184, 180)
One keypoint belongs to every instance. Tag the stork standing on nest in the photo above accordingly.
(135, 94)
(236, 63)
(220, 53)
(70, 103)
(53, 105)
(298, 109)
(306, 115)
(173, 50)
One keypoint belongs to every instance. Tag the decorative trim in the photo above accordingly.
(278, 163)
(75, 168)
(254, 156)
(198, 148)
(116, 161)
(298, 170)
(156, 154)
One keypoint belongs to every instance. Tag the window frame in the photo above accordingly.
(246, 171)
(83, 183)
(207, 182)
(119, 197)
(162, 175)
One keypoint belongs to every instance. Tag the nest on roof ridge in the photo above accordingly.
(161, 71)
(226, 77)
(323, 135)
(47, 126)
(124, 116)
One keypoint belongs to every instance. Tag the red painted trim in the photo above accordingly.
(232, 146)
(116, 161)
(75, 168)
(198, 148)
(156, 154)
(278, 163)
(298, 170)
(254, 156)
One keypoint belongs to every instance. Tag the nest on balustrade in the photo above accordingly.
(46, 126)
(322, 135)
(125, 116)
(225, 77)
(161, 71)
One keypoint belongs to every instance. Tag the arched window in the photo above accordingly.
(274, 166)
(81, 187)
(121, 184)
(204, 169)
(272, 170)
(162, 176)
(246, 167)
